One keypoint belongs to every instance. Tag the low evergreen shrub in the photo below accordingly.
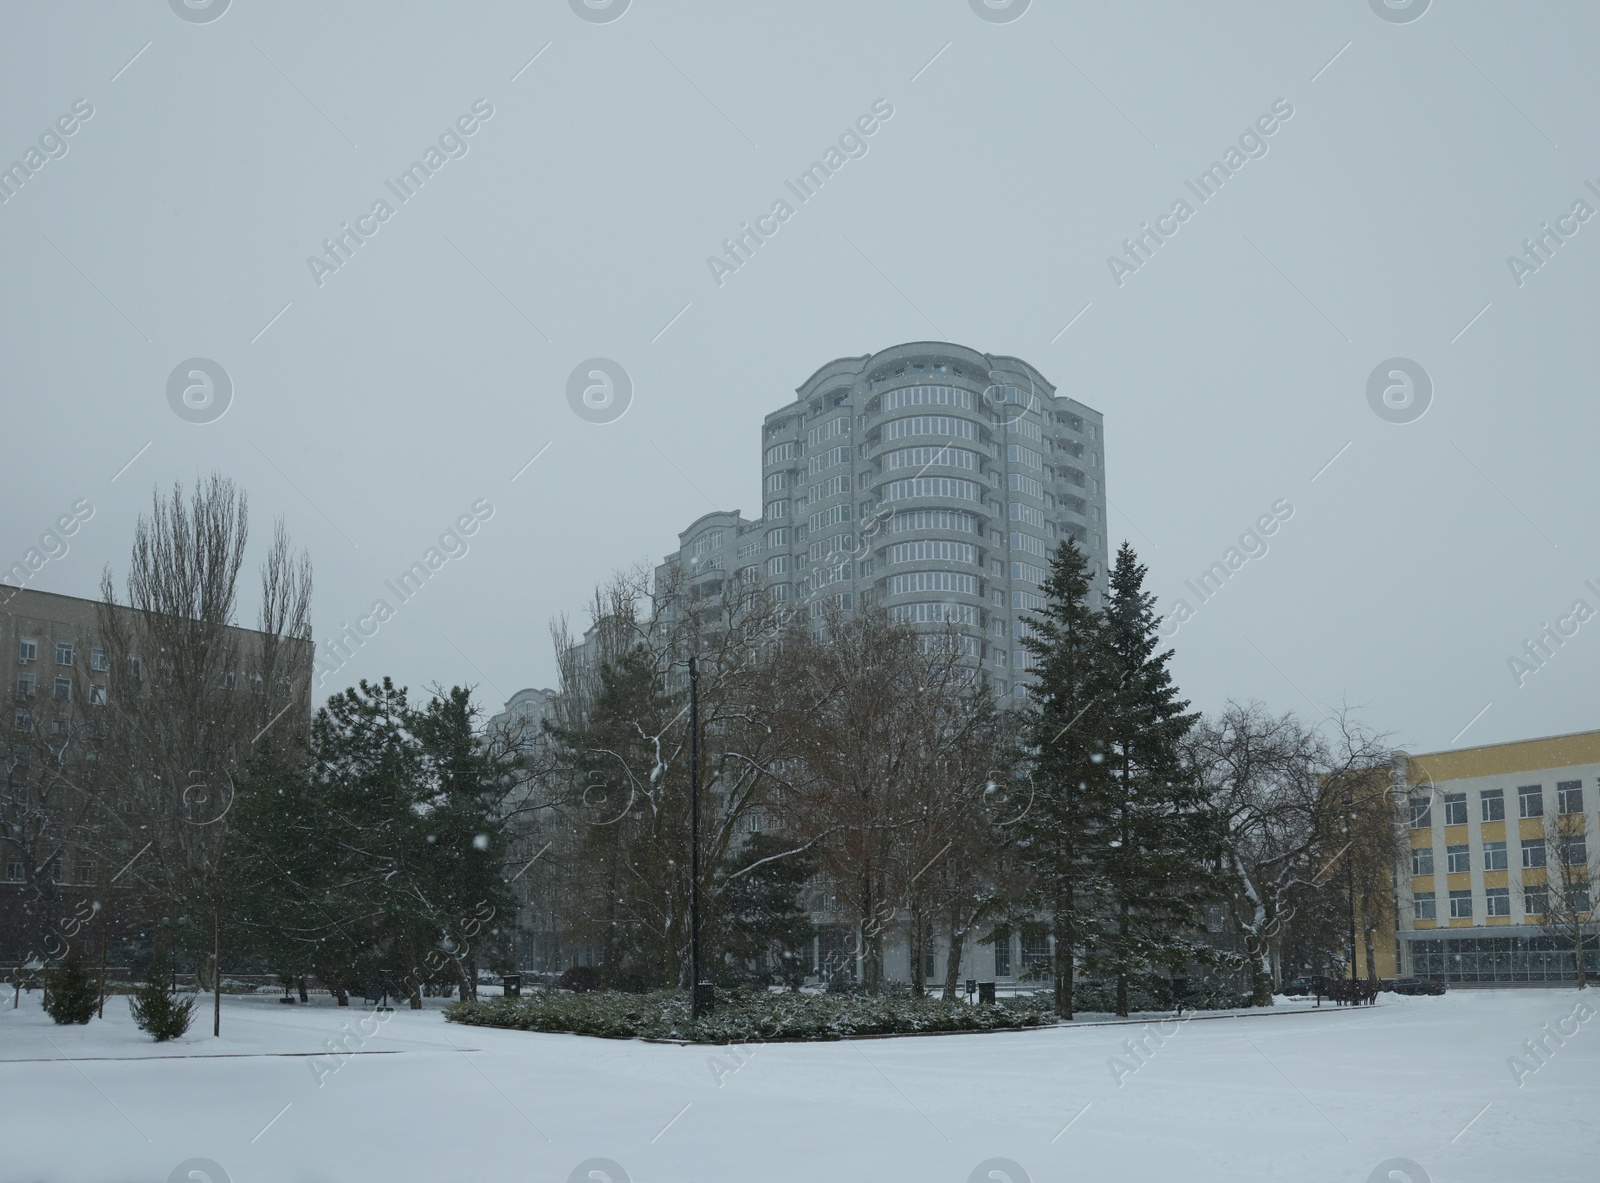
(159, 1010)
(71, 994)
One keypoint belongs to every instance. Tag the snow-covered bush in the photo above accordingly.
(752, 1017)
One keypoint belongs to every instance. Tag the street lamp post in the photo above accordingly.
(698, 1005)
(1350, 882)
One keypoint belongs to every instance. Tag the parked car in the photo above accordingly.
(1419, 986)
(1297, 987)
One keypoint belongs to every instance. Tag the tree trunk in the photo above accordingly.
(1577, 957)
(416, 994)
(300, 982)
(341, 994)
(105, 942)
(216, 973)
(1062, 964)
(952, 960)
(917, 945)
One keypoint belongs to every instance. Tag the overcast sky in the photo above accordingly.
(374, 405)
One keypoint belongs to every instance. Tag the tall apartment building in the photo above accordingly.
(928, 478)
(1471, 903)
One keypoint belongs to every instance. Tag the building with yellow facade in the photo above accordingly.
(1474, 905)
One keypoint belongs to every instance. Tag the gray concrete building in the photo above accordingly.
(928, 478)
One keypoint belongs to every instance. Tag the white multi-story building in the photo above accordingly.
(928, 478)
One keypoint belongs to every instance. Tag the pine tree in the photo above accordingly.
(1067, 818)
(160, 1011)
(71, 994)
(757, 894)
(1158, 856)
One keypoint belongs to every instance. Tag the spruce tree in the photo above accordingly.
(1158, 853)
(71, 994)
(159, 1010)
(1067, 819)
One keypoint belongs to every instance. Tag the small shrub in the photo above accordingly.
(71, 994)
(158, 1009)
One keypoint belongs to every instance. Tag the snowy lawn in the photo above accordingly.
(1291, 1097)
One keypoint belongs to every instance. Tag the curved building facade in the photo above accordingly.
(928, 478)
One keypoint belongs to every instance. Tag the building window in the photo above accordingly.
(777, 564)
(1497, 901)
(1422, 860)
(98, 660)
(1461, 905)
(1457, 860)
(1002, 953)
(1421, 811)
(1530, 801)
(1424, 907)
(1494, 856)
(1535, 900)
(1569, 796)
(63, 652)
(1035, 955)
(27, 649)
(1492, 805)
(97, 694)
(23, 721)
(25, 685)
(1533, 852)
(778, 537)
(63, 691)
(86, 871)
(1573, 850)
(55, 870)
(1455, 809)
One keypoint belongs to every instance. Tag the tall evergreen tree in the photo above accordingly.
(1161, 846)
(1068, 818)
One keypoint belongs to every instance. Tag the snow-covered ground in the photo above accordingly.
(1293, 1097)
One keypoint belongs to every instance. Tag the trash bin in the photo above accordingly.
(511, 984)
(705, 998)
(985, 993)
(972, 988)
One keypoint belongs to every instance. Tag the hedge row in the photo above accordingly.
(745, 1017)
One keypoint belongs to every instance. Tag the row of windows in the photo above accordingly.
(933, 519)
(934, 614)
(1501, 959)
(832, 429)
(1027, 601)
(827, 459)
(929, 425)
(15, 872)
(838, 544)
(1028, 515)
(1026, 428)
(775, 510)
(831, 516)
(1028, 573)
(927, 581)
(945, 643)
(1025, 484)
(1492, 804)
(1496, 902)
(27, 687)
(778, 453)
(925, 457)
(831, 487)
(950, 552)
(778, 537)
(932, 486)
(28, 651)
(1017, 454)
(927, 396)
(1029, 544)
(1573, 850)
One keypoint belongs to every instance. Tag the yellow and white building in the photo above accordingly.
(1469, 903)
